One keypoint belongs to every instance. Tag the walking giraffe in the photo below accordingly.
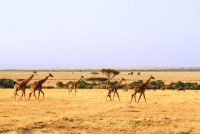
(141, 89)
(37, 86)
(74, 86)
(114, 89)
(21, 85)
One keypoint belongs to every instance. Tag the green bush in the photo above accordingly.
(159, 84)
(59, 85)
(67, 85)
(84, 85)
(7, 83)
(179, 85)
(135, 83)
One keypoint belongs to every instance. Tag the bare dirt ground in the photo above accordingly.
(168, 112)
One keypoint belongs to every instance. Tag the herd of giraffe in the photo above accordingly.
(37, 86)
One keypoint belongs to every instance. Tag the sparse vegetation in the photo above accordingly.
(7, 83)
(60, 85)
(179, 84)
(135, 83)
(131, 73)
(97, 81)
(110, 73)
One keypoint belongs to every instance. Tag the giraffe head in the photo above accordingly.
(152, 77)
(123, 79)
(50, 75)
(34, 72)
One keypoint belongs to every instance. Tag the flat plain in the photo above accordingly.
(168, 112)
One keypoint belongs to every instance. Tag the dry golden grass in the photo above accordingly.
(167, 112)
(88, 112)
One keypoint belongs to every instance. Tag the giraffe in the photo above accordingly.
(74, 86)
(115, 89)
(21, 85)
(141, 89)
(38, 86)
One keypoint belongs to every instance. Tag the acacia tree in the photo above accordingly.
(110, 73)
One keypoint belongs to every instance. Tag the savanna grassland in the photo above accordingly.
(169, 112)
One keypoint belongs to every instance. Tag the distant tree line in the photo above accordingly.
(91, 83)
(96, 82)
(101, 83)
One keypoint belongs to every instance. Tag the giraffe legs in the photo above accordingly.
(140, 97)
(35, 95)
(114, 96)
(117, 95)
(115, 92)
(75, 89)
(24, 92)
(72, 92)
(144, 97)
(42, 93)
(69, 91)
(15, 94)
(33, 92)
(109, 95)
(21, 96)
(30, 95)
(16, 89)
(133, 95)
(38, 94)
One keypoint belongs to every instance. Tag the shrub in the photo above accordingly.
(7, 83)
(179, 84)
(131, 73)
(83, 85)
(67, 85)
(135, 83)
(59, 85)
(159, 84)
(96, 81)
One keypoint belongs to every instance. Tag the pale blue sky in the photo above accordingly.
(99, 33)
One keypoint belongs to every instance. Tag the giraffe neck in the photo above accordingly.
(79, 80)
(146, 83)
(29, 79)
(43, 80)
(120, 82)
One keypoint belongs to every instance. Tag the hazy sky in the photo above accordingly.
(99, 33)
